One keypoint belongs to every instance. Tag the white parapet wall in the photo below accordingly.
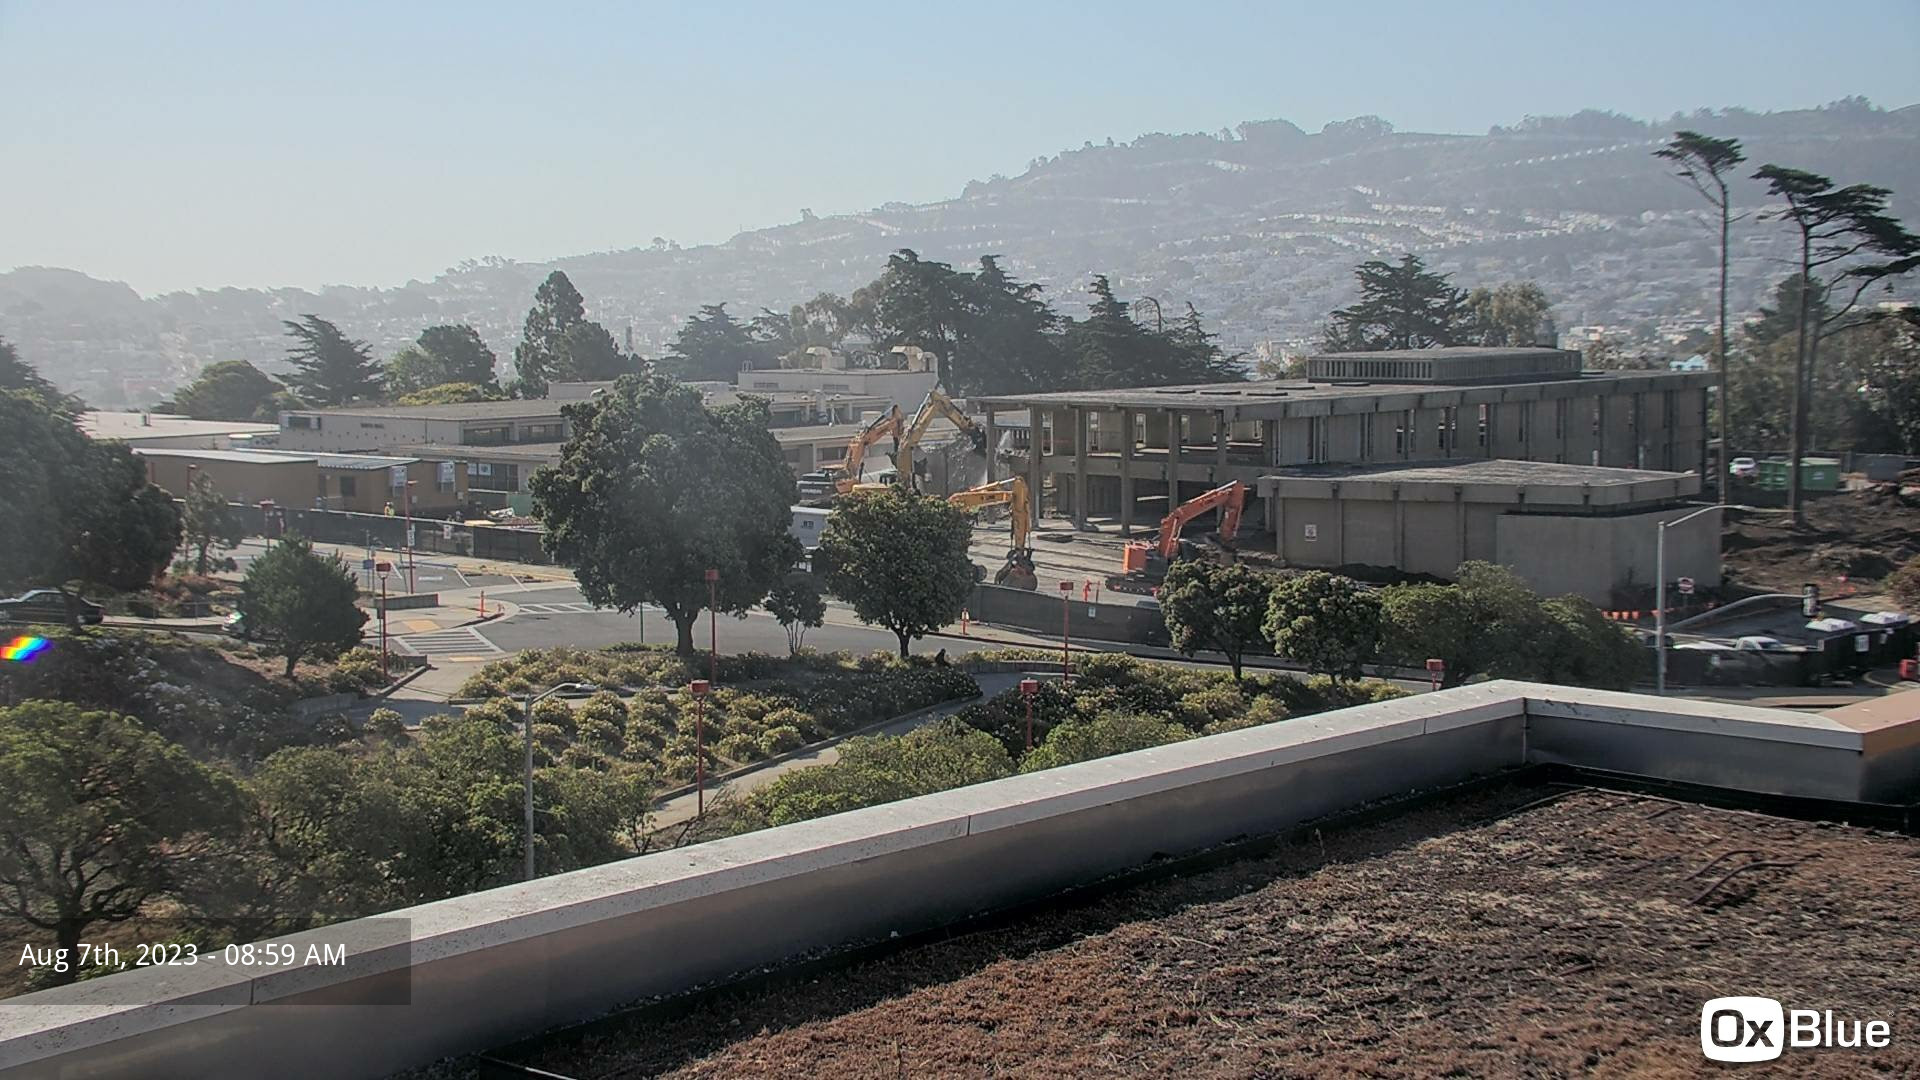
(481, 970)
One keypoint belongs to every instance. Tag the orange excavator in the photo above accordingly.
(849, 474)
(1018, 573)
(1144, 564)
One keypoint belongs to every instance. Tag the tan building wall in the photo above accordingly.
(291, 482)
(368, 491)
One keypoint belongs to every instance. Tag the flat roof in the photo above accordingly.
(1482, 480)
(247, 457)
(1280, 397)
(1515, 929)
(471, 410)
(101, 424)
(1449, 352)
(546, 451)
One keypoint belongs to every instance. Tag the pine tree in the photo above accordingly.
(329, 367)
(557, 307)
(712, 346)
(1401, 306)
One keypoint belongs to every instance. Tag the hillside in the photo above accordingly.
(1258, 228)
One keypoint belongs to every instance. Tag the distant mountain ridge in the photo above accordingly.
(1258, 228)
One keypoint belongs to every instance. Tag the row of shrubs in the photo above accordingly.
(811, 697)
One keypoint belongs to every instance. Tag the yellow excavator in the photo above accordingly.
(1018, 572)
(848, 474)
(934, 406)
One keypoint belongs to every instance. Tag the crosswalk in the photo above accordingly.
(573, 608)
(460, 641)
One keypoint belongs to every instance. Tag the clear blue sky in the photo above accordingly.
(177, 145)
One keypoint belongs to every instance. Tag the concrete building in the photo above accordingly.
(381, 427)
(243, 476)
(892, 386)
(1564, 528)
(1128, 454)
(178, 432)
(360, 483)
(490, 469)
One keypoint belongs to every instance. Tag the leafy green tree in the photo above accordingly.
(1103, 736)
(1585, 649)
(461, 355)
(589, 354)
(1489, 622)
(230, 390)
(1325, 621)
(1401, 306)
(654, 489)
(125, 529)
(301, 601)
(1517, 313)
(822, 322)
(798, 607)
(453, 393)
(712, 346)
(1110, 349)
(1210, 606)
(922, 303)
(329, 367)
(878, 769)
(557, 307)
(1012, 337)
(1705, 162)
(208, 521)
(1848, 240)
(100, 817)
(899, 559)
(17, 374)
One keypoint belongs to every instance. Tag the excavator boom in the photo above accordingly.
(887, 423)
(1230, 498)
(1012, 493)
(934, 406)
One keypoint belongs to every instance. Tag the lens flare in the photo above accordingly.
(24, 648)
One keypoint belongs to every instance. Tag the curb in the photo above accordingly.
(717, 779)
(403, 680)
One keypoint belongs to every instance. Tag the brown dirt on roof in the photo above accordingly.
(1862, 534)
(1489, 935)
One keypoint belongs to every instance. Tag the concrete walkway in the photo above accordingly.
(684, 807)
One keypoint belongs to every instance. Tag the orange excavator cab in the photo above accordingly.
(1143, 564)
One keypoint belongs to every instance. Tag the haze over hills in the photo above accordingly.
(1258, 228)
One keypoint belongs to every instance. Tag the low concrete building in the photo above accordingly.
(1128, 454)
(491, 468)
(176, 432)
(382, 427)
(1564, 528)
(243, 476)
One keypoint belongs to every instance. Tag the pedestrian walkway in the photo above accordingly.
(562, 609)
(456, 644)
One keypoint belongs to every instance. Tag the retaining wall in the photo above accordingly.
(486, 968)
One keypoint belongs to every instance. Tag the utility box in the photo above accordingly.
(1816, 474)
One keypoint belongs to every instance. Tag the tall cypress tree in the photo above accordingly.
(330, 368)
(557, 307)
(1401, 306)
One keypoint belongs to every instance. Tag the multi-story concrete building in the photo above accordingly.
(1129, 454)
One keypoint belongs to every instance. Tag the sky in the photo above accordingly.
(198, 145)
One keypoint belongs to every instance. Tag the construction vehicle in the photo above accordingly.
(1018, 573)
(935, 405)
(1144, 564)
(848, 474)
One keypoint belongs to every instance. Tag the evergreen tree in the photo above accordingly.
(232, 390)
(1401, 306)
(712, 346)
(208, 521)
(302, 601)
(1515, 314)
(557, 306)
(1012, 336)
(462, 355)
(1110, 349)
(17, 374)
(589, 354)
(329, 367)
(921, 303)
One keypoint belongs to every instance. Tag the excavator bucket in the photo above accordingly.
(1017, 574)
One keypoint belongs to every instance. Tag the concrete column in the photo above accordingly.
(1173, 459)
(1220, 434)
(1126, 472)
(1399, 528)
(1460, 525)
(1079, 468)
(1279, 526)
(1036, 474)
(993, 446)
(1270, 440)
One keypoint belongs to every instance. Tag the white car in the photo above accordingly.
(1743, 467)
(1759, 643)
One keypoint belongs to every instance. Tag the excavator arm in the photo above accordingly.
(887, 423)
(1231, 499)
(1011, 492)
(935, 405)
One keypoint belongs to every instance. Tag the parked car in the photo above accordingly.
(1743, 467)
(48, 606)
(1762, 643)
(238, 626)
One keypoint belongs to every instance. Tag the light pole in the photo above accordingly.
(698, 688)
(1660, 597)
(1066, 636)
(713, 625)
(1028, 688)
(406, 498)
(526, 728)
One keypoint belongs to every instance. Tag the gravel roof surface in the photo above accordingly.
(1489, 934)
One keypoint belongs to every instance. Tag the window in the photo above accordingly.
(1525, 410)
(295, 420)
(836, 386)
(539, 433)
(1483, 425)
(766, 386)
(1315, 424)
(482, 468)
(1402, 436)
(346, 487)
(1562, 412)
(1366, 436)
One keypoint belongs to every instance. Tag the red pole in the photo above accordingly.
(383, 628)
(1066, 636)
(713, 625)
(699, 689)
(406, 498)
(1028, 687)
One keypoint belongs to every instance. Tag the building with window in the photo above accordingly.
(381, 427)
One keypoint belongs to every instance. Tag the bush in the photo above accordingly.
(357, 669)
(602, 735)
(386, 724)
(1004, 716)
(878, 769)
(739, 747)
(1904, 586)
(779, 740)
(554, 714)
(1113, 733)
(1264, 710)
(1200, 708)
(500, 712)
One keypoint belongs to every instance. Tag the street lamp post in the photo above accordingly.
(526, 728)
(698, 688)
(406, 499)
(1066, 636)
(1660, 597)
(1028, 688)
(713, 625)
